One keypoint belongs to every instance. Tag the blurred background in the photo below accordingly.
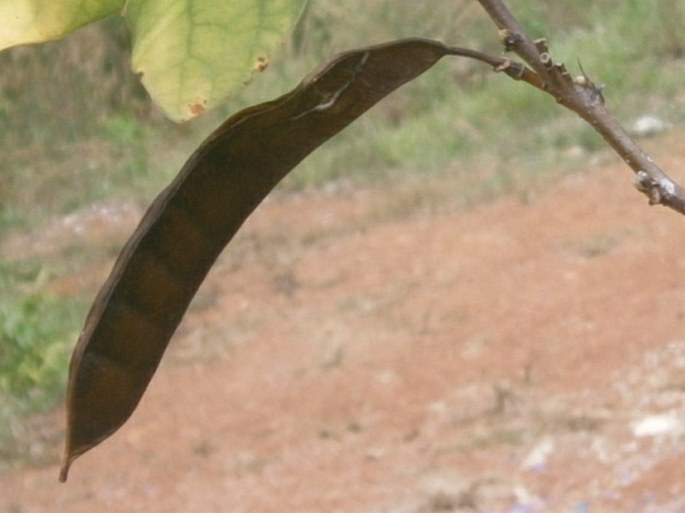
(83, 149)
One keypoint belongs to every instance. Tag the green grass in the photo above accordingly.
(35, 341)
(37, 333)
(91, 135)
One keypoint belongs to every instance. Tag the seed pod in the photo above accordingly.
(187, 226)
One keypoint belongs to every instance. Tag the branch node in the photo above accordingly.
(647, 185)
(560, 69)
(509, 39)
(658, 189)
(546, 60)
(584, 81)
(541, 45)
(514, 69)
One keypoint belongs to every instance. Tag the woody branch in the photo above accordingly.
(583, 97)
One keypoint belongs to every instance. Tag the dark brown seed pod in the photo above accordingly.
(187, 226)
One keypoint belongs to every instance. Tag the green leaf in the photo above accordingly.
(35, 21)
(193, 54)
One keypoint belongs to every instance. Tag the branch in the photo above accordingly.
(515, 70)
(583, 97)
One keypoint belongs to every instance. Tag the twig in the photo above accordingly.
(583, 97)
(515, 70)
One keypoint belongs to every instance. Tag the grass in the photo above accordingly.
(37, 332)
(36, 338)
(91, 135)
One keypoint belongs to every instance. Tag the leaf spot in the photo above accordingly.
(261, 64)
(198, 108)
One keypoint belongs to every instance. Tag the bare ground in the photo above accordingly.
(522, 356)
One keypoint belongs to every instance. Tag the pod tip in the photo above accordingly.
(64, 470)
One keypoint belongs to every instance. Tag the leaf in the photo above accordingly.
(35, 21)
(193, 54)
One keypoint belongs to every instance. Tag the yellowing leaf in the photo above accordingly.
(193, 54)
(35, 21)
